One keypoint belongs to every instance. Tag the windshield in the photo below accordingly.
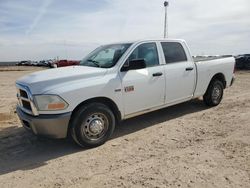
(105, 56)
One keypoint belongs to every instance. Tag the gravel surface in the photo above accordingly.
(187, 145)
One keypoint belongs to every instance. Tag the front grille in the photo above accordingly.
(23, 94)
(26, 100)
(26, 105)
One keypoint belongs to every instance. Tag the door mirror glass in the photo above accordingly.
(134, 65)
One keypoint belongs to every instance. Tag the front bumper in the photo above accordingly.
(53, 126)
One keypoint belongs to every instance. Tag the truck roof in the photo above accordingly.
(150, 40)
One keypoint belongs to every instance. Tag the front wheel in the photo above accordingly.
(92, 125)
(214, 93)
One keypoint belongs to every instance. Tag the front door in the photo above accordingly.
(143, 88)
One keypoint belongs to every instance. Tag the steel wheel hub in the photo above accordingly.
(216, 93)
(95, 126)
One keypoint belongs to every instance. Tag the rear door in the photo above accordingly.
(143, 88)
(180, 72)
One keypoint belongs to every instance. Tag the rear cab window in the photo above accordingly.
(173, 52)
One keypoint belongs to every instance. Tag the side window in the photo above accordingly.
(173, 52)
(148, 52)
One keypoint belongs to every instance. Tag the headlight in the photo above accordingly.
(50, 102)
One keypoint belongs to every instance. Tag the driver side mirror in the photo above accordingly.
(134, 65)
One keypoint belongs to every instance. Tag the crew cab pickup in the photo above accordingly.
(116, 82)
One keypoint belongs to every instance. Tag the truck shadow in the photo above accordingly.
(159, 116)
(20, 150)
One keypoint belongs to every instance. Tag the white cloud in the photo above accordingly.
(39, 16)
(210, 27)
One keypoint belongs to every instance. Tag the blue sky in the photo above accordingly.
(32, 29)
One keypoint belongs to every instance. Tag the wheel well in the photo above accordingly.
(220, 77)
(104, 100)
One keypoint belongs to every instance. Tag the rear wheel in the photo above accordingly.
(92, 125)
(214, 93)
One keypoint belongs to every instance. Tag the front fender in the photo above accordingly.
(77, 92)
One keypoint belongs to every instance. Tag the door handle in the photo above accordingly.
(189, 68)
(157, 74)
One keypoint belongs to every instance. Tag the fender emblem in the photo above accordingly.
(129, 88)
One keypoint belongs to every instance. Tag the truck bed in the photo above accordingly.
(204, 58)
(208, 67)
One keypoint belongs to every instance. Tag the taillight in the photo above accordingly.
(234, 65)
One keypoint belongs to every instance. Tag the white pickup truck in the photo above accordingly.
(116, 82)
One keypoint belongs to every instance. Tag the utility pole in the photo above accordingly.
(166, 20)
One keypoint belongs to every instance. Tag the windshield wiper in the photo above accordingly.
(94, 62)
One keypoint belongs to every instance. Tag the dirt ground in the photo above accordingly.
(187, 145)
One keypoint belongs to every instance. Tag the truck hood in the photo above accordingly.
(42, 81)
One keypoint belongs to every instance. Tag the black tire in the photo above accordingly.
(92, 125)
(214, 93)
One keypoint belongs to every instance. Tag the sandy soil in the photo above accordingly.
(187, 145)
